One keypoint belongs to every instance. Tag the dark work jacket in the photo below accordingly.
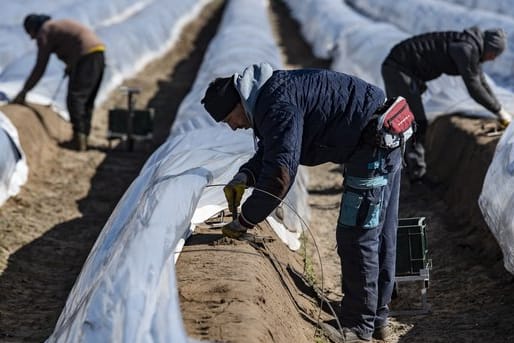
(306, 117)
(429, 55)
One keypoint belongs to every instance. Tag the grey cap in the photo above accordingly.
(495, 40)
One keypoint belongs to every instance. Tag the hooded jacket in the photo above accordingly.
(427, 56)
(306, 117)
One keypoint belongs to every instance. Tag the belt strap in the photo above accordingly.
(97, 48)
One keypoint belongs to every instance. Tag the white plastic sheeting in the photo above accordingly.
(497, 199)
(14, 42)
(126, 291)
(504, 7)
(13, 165)
(355, 43)
(123, 25)
(322, 22)
(361, 45)
(419, 16)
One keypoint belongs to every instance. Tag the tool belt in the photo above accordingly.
(391, 125)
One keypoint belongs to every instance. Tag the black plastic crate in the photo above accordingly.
(142, 122)
(411, 246)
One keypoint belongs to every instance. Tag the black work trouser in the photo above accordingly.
(399, 83)
(85, 79)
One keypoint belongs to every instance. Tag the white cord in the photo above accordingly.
(317, 250)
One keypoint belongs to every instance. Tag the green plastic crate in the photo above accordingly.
(411, 246)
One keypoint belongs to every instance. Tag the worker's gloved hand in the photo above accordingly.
(504, 117)
(234, 191)
(20, 98)
(234, 229)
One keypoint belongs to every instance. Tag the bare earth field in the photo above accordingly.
(232, 291)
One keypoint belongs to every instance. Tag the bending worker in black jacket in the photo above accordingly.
(425, 57)
(310, 117)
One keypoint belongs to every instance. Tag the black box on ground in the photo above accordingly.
(142, 123)
(411, 246)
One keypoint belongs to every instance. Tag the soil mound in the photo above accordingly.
(39, 130)
(460, 150)
(237, 291)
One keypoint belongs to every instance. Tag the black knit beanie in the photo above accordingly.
(33, 22)
(495, 41)
(221, 97)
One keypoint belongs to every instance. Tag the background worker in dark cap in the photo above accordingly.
(82, 52)
(425, 57)
(310, 117)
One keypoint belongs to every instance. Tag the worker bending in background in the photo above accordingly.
(414, 61)
(310, 117)
(83, 53)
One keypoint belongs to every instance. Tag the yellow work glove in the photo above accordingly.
(504, 118)
(234, 191)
